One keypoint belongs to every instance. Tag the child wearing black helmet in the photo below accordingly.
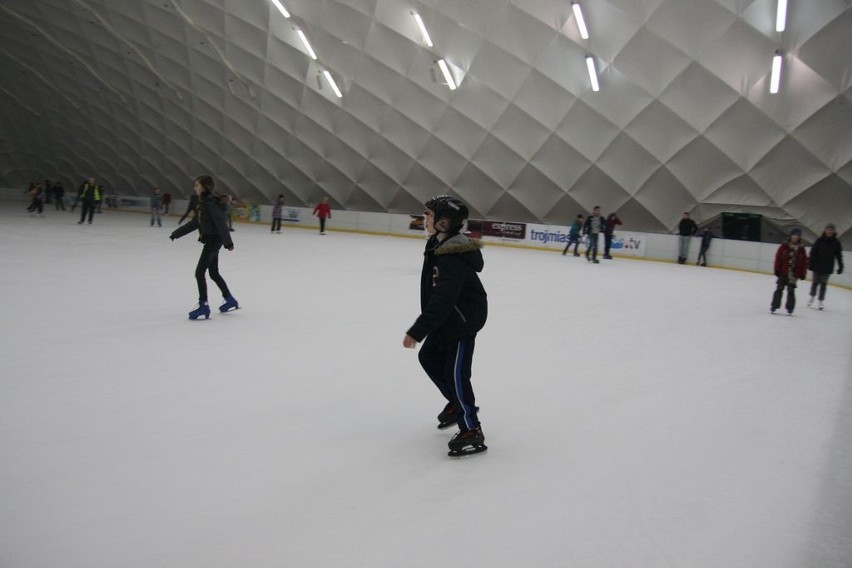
(454, 308)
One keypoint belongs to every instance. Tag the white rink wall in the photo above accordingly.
(737, 255)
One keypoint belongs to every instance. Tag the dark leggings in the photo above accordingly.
(322, 225)
(607, 244)
(209, 262)
(88, 209)
(575, 240)
(821, 282)
(276, 225)
(790, 285)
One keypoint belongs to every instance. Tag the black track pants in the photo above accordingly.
(449, 367)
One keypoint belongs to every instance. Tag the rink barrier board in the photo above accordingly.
(724, 254)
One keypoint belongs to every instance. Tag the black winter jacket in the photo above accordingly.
(686, 227)
(823, 254)
(452, 300)
(210, 222)
(587, 226)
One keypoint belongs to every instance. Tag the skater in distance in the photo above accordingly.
(791, 265)
(824, 253)
(209, 220)
(454, 308)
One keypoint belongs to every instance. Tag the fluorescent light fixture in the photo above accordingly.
(775, 80)
(307, 45)
(448, 77)
(331, 82)
(781, 16)
(423, 30)
(281, 8)
(593, 74)
(581, 22)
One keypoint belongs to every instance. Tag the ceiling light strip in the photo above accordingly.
(593, 74)
(775, 79)
(781, 16)
(333, 84)
(281, 8)
(426, 38)
(307, 44)
(581, 21)
(448, 76)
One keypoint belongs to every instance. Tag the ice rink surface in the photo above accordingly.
(638, 414)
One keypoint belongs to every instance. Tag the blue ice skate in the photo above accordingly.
(230, 304)
(202, 310)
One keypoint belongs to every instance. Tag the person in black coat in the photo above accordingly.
(191, 208)
(824, 253)
(706, 238)
(454, 307)
(685, 230)
(210, 222)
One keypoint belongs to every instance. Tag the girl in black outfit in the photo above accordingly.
(213, 228)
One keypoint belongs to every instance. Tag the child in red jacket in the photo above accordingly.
(791, 264)
(323, 211)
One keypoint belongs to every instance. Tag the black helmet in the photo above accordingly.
(449, 208)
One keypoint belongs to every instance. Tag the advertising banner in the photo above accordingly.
(479, 228)
(555, 236)
(290, 215)
(416, 223)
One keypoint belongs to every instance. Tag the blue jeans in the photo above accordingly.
(683, 247)
(593, 246)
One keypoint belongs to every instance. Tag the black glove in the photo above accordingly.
(229, 247)
(171, 237)
(778, 274)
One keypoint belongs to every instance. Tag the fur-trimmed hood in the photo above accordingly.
(470, 249)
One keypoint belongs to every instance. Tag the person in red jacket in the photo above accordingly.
(612, 221)
(791, 265)
(323, 211)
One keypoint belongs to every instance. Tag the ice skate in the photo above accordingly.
(595, 261)
(820, 306)
(449, 416)
(230, 304)
(576, 254)
(811, 301)
(202, 310)
(772, 310)
(789, 312)
(467, 442)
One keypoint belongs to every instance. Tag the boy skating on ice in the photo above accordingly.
(574, 235)
(791, 264)
(454, 308)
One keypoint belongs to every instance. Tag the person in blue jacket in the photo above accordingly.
(454, 307)
(575, 235)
